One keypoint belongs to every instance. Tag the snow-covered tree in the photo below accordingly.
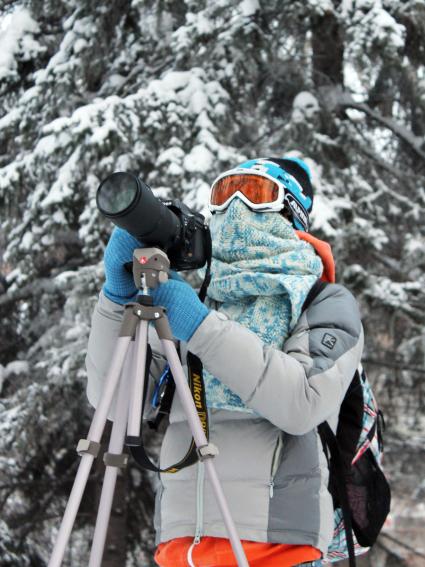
(177, 91)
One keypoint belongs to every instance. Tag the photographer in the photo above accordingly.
(272, 372)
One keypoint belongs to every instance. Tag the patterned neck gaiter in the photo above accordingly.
(261, 275)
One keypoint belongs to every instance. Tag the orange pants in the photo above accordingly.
(217, 552)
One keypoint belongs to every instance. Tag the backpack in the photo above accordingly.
(360, 492)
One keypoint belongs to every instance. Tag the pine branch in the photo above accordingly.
(402, 544)
(394, 365)
(29, 290)
(397, 173)
(49, 517)
(50, 482)
(398, 129)
(393, 554)
(365, 150)
(342, 99)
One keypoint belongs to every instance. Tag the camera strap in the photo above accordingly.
(207, 278)
(197, 388)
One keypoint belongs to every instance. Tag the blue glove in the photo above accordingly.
(119, 284)
(185, 311)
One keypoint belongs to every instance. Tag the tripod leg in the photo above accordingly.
(89, 451)
(138, 379)
(114, 459)
(202, 442)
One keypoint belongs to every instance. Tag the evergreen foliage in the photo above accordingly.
(177, 91)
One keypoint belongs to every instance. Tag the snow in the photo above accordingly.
(197, 99)
(414, 512)
(323, 214)
(30, 94)
(203, 24)
(171, 154)
(79, 45)
(389, 292)
(387, 29)
(14, 39)
(75, 333)
(354, 84)
(173, 81)
(49, 144)
(10, 118)
(414, 244)
(202, 198)
(355, 115)
(200, 159)
(46, 145)
(190, 89)
(16, 367)
(61, 189)
(27, 240)
(10, 175)
(114, 82)
(346, 6)
(64, 277)
(47, 240)
(321, 6)
(376, 236)
(174, 169)
(249, 7)
(102, 133)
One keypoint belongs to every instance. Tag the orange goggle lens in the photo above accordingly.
(256, 188)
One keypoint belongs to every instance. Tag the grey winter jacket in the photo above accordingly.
(271, 463)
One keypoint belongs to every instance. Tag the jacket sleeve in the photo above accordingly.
(305, 384)
(106, 324)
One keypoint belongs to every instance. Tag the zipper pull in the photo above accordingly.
(271, 485)
(195, 542)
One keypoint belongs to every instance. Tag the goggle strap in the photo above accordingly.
(297, 210)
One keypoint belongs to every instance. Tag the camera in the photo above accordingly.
(168, 224)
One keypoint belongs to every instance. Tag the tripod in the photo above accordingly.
(150, 267)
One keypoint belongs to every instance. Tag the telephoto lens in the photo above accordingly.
(131, 205)
(181, 232)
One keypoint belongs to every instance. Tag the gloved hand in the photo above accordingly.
(185, 311)
(119, 285)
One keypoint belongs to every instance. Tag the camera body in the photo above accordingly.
(190, 249)
(167, 224)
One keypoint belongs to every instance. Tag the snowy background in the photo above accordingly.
(177, 91)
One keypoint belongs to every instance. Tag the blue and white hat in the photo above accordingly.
(295, 175)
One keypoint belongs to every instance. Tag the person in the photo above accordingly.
(273, 372)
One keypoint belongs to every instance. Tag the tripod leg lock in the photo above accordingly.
(85, 446)
(208, 451)
(115, 460)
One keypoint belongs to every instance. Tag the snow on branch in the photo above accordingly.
(336, 98)
(30, 290)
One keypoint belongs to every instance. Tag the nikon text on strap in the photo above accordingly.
(197, 388)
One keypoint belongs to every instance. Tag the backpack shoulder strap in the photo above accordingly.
(339, 474)
(316, 289)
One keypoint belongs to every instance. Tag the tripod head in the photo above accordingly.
(150, 268)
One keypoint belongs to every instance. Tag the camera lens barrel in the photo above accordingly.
(131, 205)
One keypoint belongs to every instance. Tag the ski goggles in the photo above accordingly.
(258, 190)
